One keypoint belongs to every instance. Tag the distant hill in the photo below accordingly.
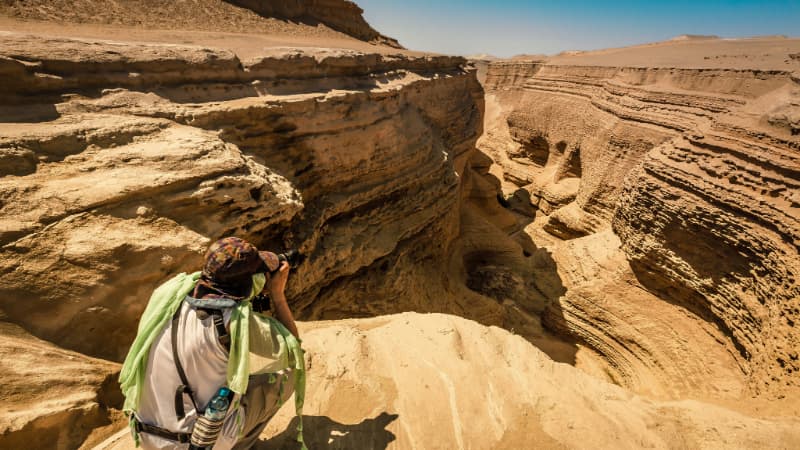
(306, 17)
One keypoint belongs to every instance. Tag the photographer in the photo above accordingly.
(189, 378)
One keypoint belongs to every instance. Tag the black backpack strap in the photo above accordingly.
(222, 332)
(223, 336)
(140, 427)
(184, 388)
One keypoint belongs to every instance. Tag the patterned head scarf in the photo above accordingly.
(229, 266)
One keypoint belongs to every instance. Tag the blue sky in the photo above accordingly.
(507, 28)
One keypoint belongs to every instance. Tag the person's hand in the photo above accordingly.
(277, 282)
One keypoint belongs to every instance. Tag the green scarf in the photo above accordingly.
(166, 299)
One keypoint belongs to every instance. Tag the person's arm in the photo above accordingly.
(277, 284)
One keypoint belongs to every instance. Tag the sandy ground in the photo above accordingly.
(434, 381)
(767, 53)
(245, 45)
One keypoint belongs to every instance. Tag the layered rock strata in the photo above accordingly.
(121, 162)
(697, 172)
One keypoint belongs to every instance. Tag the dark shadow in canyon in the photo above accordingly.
(322, 432)
(711, 255)
(695, 303)
(520, 203)
(537, 150)
(43, 112)
(526, 280)
(244, 88)
(530, 295)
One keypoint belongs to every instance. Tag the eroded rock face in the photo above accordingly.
(122, 162)
(710, 219)
(52, 398)
(695, 169)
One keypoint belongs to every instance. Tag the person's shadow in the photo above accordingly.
(320, 432)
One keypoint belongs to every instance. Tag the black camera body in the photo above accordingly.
(294, 258)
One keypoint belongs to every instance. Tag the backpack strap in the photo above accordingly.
(185, 388)
(223, 336)
(222, 332)
(140, 427)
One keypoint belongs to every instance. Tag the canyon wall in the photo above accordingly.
(122, 162)
(581, 221)
(695, 171)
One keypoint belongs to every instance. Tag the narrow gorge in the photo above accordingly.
(660, 189)
(530, 253)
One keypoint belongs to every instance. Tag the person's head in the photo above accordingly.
(229, 266)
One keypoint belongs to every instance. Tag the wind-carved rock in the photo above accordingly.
(121, 166)
(712, 219)
(697, 170)
(342, 154)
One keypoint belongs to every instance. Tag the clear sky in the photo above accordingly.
(507, 28)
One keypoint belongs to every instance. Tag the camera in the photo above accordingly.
(293, 257)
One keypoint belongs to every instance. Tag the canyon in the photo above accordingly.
(594, 249)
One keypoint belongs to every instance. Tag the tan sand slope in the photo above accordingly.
(762, 53)
(317, 18)
(441, 382)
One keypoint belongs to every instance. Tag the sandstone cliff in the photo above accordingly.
(53, 398)
(692, 157)
(121, 162)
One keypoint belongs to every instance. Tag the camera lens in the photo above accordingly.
(293, 257)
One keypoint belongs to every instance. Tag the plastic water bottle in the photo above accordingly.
(208, 426)
(218, 406)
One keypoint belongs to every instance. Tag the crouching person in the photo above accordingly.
(205, 370)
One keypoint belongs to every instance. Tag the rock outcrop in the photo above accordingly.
(147, 152)
(696, 170)
(341, 15)
(53, 398)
